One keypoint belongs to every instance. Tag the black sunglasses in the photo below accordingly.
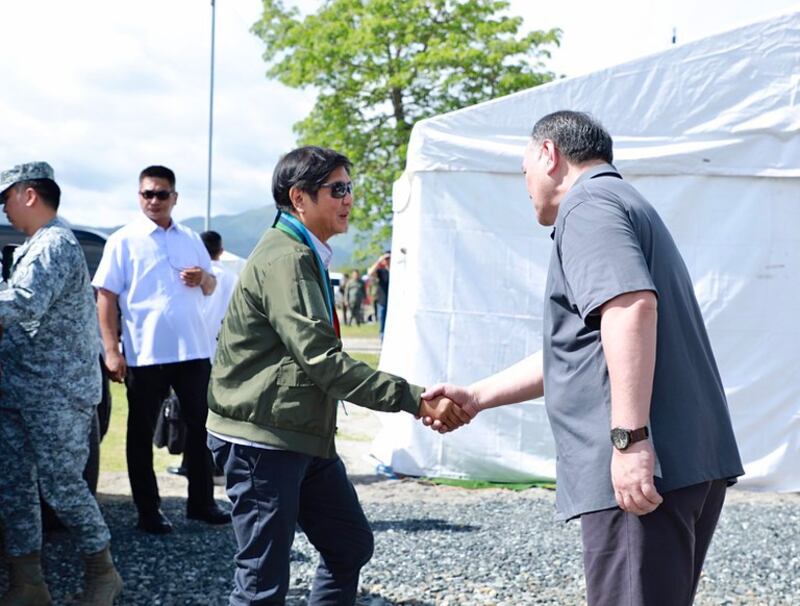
(149, 194)
(339, 189)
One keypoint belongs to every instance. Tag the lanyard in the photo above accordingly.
(292, 227)
(296, 230)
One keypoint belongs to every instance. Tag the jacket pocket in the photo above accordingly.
(291, 375)
(299, 404)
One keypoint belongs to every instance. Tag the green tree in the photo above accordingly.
(378, 66)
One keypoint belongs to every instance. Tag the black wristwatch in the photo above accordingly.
(622, 438)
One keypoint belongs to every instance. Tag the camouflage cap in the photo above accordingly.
(24, 172)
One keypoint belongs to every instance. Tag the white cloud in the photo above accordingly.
(101, 89)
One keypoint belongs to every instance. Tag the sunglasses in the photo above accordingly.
(149, 194)
(339, 189)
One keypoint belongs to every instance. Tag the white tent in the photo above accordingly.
(709, 132)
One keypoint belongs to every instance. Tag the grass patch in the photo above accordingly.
(112, 449)
(353, 437)
(365, 331)
(479, 484)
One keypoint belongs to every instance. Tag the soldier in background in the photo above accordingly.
(354, 294)
(48, 392)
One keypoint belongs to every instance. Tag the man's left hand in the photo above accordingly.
(632, 478)
(192, 276)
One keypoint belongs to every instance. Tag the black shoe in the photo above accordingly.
(213, 514)
(178, 471)
(154, 523)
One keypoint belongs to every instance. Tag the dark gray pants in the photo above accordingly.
(273, 491)
(655, 559)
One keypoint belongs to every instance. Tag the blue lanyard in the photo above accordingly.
(294, 229)
(291, 226)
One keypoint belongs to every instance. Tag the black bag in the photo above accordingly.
(170, 428)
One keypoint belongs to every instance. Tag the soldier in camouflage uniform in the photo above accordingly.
(49, 389)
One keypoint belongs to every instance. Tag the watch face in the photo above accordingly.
(620, 438)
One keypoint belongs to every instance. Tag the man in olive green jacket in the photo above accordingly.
(277, 378)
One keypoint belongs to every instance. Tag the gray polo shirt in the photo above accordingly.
(608, 241)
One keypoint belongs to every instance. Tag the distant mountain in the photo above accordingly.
(240, 233)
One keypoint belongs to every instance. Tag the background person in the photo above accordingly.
(214, 307)
(278, 374)
(644, 442)
(49, 391)
(215, 304)
(379, 272)
(158, 272)
(354, 296)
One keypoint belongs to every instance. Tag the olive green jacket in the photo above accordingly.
(279, 368)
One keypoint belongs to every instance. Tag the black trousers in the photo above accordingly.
(147, 387)
(274, 491)
(655, 559)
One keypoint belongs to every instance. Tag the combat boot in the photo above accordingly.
(26, 585)
(103, 583)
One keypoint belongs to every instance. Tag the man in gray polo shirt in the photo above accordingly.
(643, 435)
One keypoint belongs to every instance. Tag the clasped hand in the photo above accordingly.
(446, 407)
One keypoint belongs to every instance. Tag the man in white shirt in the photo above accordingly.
(158, 273)
(215, 306)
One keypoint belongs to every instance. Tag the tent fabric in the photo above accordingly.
(708, 132)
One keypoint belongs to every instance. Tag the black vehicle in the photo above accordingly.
(92, 242)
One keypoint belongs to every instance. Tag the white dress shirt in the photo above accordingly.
(162, 319)
(216, 304)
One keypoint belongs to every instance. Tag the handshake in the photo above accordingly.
(445, 407)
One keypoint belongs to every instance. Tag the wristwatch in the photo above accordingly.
(622, 438)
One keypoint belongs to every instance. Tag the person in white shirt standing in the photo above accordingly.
(215, 305)
(158, 273)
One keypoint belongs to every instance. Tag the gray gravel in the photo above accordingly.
(438, 547)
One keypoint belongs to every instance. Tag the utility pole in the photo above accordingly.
(210, 115)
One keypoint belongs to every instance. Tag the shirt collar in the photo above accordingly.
(589, 173)
(598, 169)
(324, 251)
(144, 225)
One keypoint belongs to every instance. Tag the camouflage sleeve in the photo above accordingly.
(37, 280)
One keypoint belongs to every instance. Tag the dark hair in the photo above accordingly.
(213, 242)
(306, 168)
(577, 135)
(158, 172)
(47, 189)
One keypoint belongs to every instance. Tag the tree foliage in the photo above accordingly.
(378, 66)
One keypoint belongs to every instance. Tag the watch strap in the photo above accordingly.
(637, 435)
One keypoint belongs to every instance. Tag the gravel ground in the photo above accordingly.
(441, 546)
(434, 545)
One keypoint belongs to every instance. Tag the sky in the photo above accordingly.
(102, 89)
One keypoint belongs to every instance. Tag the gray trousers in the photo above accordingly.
(655, 559)
(46, 451)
